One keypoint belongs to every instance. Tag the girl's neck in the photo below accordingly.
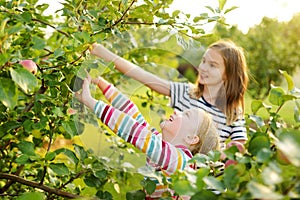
(210, 94)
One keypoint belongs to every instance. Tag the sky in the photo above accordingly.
(249, 13)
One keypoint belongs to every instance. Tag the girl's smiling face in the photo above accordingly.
(212, 68)
(181, 125)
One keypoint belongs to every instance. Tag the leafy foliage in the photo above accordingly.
(39, 132)
(40, 147)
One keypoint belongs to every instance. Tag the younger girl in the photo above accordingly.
(219, 90)
(183, 134)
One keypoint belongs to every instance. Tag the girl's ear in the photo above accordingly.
(192, 139)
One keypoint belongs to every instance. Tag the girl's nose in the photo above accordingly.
(201, 67)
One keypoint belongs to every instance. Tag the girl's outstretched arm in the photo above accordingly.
(119, 100)
(160, 152)
(133, 71)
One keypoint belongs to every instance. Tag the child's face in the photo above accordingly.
(212, 68)
(181, 125)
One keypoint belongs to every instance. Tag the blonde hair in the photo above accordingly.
(208, 136)
(235, 84)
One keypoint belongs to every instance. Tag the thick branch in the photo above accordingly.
(37, 185)
(10, 182)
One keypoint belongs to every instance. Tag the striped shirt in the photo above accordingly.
(181, 100)
(124, 118)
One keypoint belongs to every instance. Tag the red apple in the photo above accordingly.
(29, 65)
(239, 145)
(230, 162)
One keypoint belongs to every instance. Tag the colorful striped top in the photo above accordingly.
(124, 119)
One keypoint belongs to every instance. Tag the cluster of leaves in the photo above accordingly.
(41, 156)
(36, 110)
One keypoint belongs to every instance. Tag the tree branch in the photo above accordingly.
(124, 13)
(37, 185)
(72, 179)
(10, 182)
(47, 24)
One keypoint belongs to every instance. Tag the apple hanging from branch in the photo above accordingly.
(29, 65)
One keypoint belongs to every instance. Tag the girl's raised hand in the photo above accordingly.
(101, 82)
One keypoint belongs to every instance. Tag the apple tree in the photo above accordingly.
(40, 57)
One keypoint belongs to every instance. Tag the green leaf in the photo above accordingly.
(260, 191)
(257, 143)
(221, 4)
(8, 93)
(59, 168)
(26, 16)
(83, 37)
(231, 178)
(80, 151)
(210, 8)
(15, 29)
(58, 52)
(135, 195)
(101, 173)
(24, 79)
(230, 9)
(214, 183)
(42, 7)
(289, 144)
(50, 156)
(57, 111)
(26, 148)
(275, 96)
(264, 155)
(204, 195)
(149, 185)
(297, 112)
(32, 196)
(289, 80)
(38, 43)
(92, 181)
(23, 159)
(183, 187)
(70, 128)
(256, 105)
(258, 120)
(4, 57)
(104, 195)
(68, 153)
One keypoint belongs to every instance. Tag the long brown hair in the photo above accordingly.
(235, 84)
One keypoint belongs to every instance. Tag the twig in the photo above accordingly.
(47, 24)
(124, 13)
(72, 179)
(74, 61)
(33, 184)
